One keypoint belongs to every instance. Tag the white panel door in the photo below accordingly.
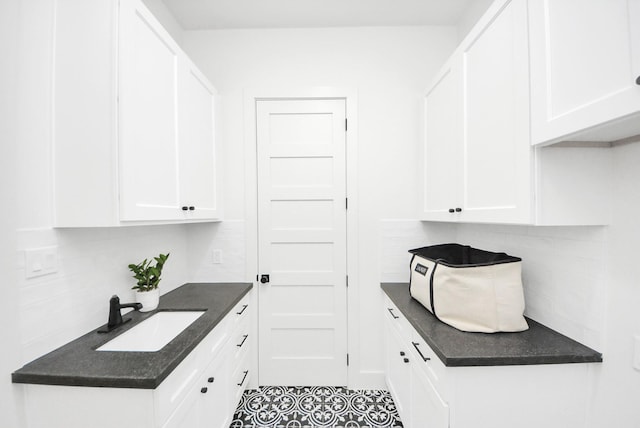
(147, 101)
(197, 143)
(302, 242)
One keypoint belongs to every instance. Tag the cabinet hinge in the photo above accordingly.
(345, 124)
(347, 359)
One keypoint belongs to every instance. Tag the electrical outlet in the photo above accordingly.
(216, 258)
(40, 261)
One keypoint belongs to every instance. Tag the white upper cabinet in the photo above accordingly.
(496, 184)
(442, 154)
(478, 163)
(133, 121)
(585, 66)
(476, 156)
(196, 134)
(148, 139)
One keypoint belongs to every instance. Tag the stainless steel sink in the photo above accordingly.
(154, 333)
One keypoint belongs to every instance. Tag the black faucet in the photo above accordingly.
(115, 317)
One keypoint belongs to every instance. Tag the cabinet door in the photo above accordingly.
(186, 414)
(198, 180)
(213, 399)
(427, 407)
(398, 372)
(585, 59)
(441, 164)
(148, 166)
(497, 184)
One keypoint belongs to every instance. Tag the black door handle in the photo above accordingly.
(264, 279)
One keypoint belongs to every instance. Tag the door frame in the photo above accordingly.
(350, 96)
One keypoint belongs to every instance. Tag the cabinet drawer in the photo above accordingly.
(396, 319)
(429, 363)
(239, 379)
(240, 312)
(214, 342)
(240, 344)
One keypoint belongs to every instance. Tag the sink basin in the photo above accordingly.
(154, 333)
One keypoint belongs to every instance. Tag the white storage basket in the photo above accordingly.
(469, 289)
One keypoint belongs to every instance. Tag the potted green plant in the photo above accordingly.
(148, 275)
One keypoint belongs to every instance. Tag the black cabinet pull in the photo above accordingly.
(638, 80)
(191, 208)
(458, 210)
(415, 345)
(204, 390)
(402, 354)
(395, 317)
(264, 279)
(243, 340)
(451, 210)
(406, 360)
(210, 380)
(242, 310)
(246, 372)
(185, 208)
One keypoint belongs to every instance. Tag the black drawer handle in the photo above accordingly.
(395, 317)
(243, 340)
(458, 210)
(406, 360)
(210, 380)
(415, 345)
(402, 354)
(204, 390)
(451, 210)
(638, 80)
(191, 208)
(185, 208)
(246, 372)
(244, 307)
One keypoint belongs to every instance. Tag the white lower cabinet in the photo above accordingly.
(429, 394)
(428, 409)
(202, 391)
(398, 372)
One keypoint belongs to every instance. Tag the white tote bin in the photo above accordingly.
(470, 289)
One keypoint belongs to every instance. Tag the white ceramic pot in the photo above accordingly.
(149, 299)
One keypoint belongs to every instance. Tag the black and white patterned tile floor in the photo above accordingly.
(315, 407)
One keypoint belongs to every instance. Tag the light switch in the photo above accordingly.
(217, 257)
(636, 353)
(40, 261)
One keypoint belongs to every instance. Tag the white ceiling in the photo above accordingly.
(218, 14)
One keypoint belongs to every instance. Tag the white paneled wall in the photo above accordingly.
(92, 266)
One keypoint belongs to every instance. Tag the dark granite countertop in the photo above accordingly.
(537, 345)
(78, 363)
